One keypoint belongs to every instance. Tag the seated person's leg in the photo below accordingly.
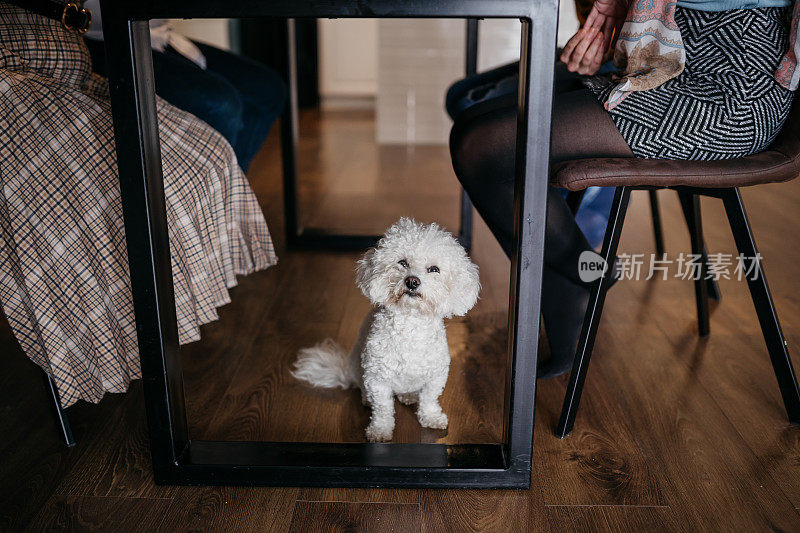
(459, 95)
(201, 92)
(499, 82)
(262, 92)
(483, 148)
(185, 85)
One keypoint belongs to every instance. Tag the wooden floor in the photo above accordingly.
(675, 432)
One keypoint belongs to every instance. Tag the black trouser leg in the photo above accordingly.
(762, 299)
(594, 310)
(574, 199)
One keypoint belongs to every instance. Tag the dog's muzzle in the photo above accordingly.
(412, 283)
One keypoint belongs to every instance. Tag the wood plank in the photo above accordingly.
(219, 353)
(354, 516)
(612, 519)
(88, 513)
(733, 363)
(483, 510)
(116, 462)
(264, 402)
(313, 288)
(600, 463)
(675, 420)
(230, 509)
(360, 495)
(34, 456)
(473, 398)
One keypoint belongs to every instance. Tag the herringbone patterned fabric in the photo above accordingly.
(725, 104)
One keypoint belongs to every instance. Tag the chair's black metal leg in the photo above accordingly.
(713, 287)
(658, 233)
(762, 299)
(61, 414)
(593, 312)
(574, 199)
(691, 210)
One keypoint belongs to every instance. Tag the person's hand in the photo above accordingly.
(584, 52)
(591, 46)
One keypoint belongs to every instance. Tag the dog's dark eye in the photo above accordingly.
(433, 268)
(403, 263)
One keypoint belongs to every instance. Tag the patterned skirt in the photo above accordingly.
(64, 278)
(725, 104)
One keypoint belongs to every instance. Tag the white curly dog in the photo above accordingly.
(415, 277)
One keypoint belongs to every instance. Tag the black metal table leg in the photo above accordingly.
(762, 299)
(130, 66)
(289, 125)
(176, 458)
(470, 69)
(530, 219)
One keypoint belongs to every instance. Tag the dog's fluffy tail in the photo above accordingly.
(325, 365)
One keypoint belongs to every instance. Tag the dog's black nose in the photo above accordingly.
(412, 282)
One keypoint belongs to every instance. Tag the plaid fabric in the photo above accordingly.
(64, 280)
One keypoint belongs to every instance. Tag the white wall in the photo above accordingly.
(210, 31)
(348, 57)
(406, 65)
(417, 61)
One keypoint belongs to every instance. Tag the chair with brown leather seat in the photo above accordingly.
(473, 80)
(718, 179)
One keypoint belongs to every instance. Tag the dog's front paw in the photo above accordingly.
(433, 420)
(379, 432)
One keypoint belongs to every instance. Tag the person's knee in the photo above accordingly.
(221, 107)
(455, 93)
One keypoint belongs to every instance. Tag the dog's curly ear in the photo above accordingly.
(465, 287)
(365, 275)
